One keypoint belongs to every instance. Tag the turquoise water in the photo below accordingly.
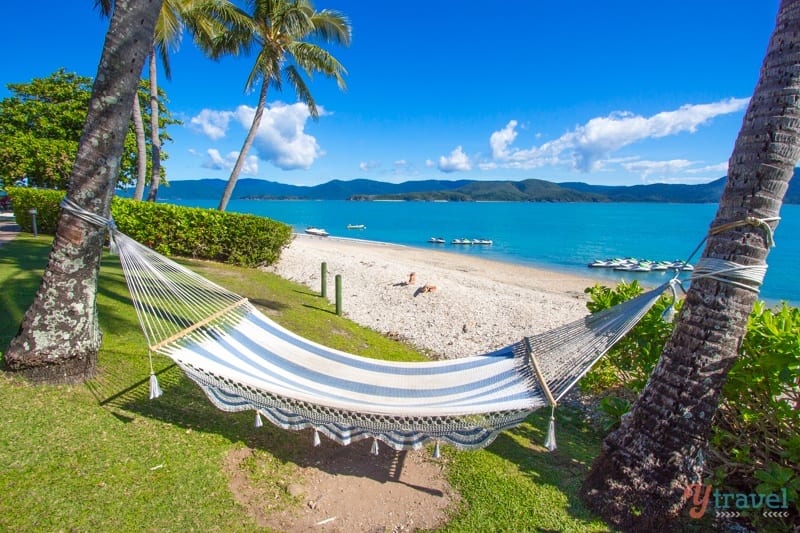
(562, 236)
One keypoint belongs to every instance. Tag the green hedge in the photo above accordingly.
(238, 239)
(45, 201)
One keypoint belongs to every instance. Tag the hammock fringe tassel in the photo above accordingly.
(437, 453)
(242, 360)
(550, 441)
(155, 389)
(317, 441)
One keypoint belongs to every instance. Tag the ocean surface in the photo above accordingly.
(556, 236)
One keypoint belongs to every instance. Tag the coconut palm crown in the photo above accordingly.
(286, 38)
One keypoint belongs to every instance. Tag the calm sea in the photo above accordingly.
(561, 236)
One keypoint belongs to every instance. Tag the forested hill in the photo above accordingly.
(461, 190)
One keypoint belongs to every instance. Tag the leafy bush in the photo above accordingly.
(47, 203)
(619, 376)
(759, 415)
(755, 445)
(245, 240)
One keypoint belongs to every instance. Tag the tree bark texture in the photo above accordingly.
(59, 337)
(141, 148)
(155, 140)
(637, 482)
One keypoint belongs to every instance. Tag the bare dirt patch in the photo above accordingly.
(347, 489)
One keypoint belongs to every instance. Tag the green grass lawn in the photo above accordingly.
(103, 457)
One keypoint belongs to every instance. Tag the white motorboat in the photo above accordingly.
(319, 232)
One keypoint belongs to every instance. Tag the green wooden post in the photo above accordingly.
(324, 280)
(339, 294)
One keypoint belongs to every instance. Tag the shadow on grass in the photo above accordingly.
(322, 309)
(564, 468)
(184, 405)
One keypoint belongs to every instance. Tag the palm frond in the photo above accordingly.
(106, 7)
(312, 58)
(332, 27)
(301, 89)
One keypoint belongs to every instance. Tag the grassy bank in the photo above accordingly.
(102, 456)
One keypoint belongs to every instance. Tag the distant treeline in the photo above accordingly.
(530, 190)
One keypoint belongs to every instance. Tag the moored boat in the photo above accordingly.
(319, 232)
(356, 226)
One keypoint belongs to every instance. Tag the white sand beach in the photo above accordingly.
(477, 305)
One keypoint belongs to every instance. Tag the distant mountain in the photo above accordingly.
(498, 191)
(529, 190)
(249, 188)
(656, 192)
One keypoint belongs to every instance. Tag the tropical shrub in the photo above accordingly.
(755, 444)
(619, 376)
(46, 202)
(239, 239)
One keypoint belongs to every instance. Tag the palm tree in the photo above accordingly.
(278, 30)
(637, 483)
(199, 16)
(59, 337)
(141, 148)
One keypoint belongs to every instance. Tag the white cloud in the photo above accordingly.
(648, 168)
(368, 166)
(588, 146)
(281, 138)
(218, 162)
(500, 140)
(401, 166)
(456, 161)
(722, 168)
(213, 124)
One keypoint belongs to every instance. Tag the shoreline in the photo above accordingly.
(476, 305)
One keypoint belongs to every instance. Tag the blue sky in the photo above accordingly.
(611, 92)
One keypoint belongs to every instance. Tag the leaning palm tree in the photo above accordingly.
(282, 32)
(200, 17)
(637, 483)
(59, 338)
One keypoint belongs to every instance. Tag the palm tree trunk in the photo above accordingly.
(141, 148)
(59, 337)
(155, 140)
(637, 483)
(248, 142)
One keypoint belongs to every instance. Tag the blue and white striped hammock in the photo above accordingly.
(244, 361)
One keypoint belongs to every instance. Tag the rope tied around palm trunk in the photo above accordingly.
(749, 277)
(103, 222)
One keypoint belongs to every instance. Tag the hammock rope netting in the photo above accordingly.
(243, 360)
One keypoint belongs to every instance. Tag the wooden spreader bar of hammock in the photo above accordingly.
(198, 325)
(539, 375)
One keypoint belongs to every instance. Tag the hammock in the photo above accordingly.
(242, 360)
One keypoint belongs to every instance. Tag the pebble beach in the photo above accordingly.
(453, 306)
